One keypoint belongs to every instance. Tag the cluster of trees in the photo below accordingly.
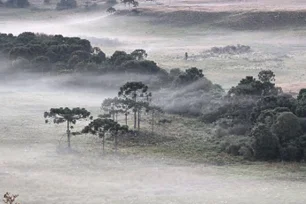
(66, 4)
(130, 2)
(272, 122)
(15, 3)
(132, 97)
(56, 53)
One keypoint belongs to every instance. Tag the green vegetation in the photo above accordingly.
(267, 119)
(70, 116)
(16, 3)
(255, 119)
(103, 126)
(66, 4)
(48, 53)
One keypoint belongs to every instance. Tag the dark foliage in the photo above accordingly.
(253, 87)
(189, 76)
(66, 4)
(70, 116)
(272, 102)
(265, 144)
(101, 125)
(16, 3)
(72, 54)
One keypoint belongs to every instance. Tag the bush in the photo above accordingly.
(246, 152)
(287, 127)
(66, 4)
(273, 103)
(17, 3)
(253, 87)
(265, 144)
(233, 149)
(238, 110)
(41, 63)
(189, 76)
(291, 152)
(142, 67)
(21, 63)
(119, 57)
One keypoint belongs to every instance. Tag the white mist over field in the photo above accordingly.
(34, 161)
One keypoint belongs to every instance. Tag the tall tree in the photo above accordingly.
(70, 116)
(139, 54)
(102, 126)
(153, 110)
(137, 92)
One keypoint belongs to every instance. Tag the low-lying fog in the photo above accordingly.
(282, 50)
(35, 164)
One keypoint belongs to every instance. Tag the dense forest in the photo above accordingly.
(254, 119)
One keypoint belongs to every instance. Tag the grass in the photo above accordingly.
(190, 140)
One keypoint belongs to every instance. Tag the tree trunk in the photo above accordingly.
(103, 146)
(68, 134)
(138, 119)
(135, 110)
(135, 119)
(126, 119)
(116, 142)
(152, 122)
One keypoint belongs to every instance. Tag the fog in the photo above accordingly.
(35, 163)
(34, 160)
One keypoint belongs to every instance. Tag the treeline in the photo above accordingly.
(258, 121)
(133, 97)
(56, 53)
(15, 3)
(255, 119)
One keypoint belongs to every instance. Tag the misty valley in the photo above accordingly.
(152, 101)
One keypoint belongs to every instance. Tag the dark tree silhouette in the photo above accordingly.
(153, 110)
(66, 4)
(189, 76)
(112, 106)
(70, 116)
(102, 126)
(137, 92)
(17, 3)
(111, 10)
(139, 54)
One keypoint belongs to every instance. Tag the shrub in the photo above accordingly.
(17, 3)
(251, 86)
(287, 127)
(265, 144)
(66, 4)
(189, 76)
(41, 63)
(21, 63)
(119, 57)
(291, 152)
(246, 152)
(233, 149)
(238, 110)
(143, 67)
(273, 102)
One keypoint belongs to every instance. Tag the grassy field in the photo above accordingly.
(181, 162)
(175, 165)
